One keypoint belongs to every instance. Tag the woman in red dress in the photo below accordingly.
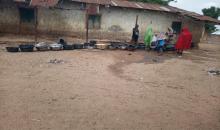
(184, 41)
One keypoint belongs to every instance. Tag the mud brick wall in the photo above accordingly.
(116, 23)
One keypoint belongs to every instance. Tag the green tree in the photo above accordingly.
(162, 2)
(213, 12)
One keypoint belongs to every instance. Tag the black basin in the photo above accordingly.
(140, 46)
(12, 49)
(92, 43)
(26, 48)
(131, 47)
(68, 47)
(78, 46)
(115, 45)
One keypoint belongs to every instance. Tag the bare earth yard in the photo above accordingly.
(110, 90)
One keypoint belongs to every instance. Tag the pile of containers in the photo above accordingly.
(62, 45)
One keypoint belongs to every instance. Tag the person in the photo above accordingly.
(184, 41)
(135, 34)
(169, 35)
(161, 42)
(62, 42)
(154, 42)
(148, 37)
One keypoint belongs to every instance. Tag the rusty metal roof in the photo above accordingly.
(45, 3)
(101, 2)
(195, 15)
(148, 6)
(19, 0)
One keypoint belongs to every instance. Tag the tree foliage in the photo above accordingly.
(213, 12)
(162, 2)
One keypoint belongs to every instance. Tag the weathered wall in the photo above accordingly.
(9, 19)
(212, 39)
(116, 23)
(125, 19)
(195, 27)
(57, 21)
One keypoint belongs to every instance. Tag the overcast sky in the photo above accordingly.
(196, 5)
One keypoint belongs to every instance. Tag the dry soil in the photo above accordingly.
(110, 90)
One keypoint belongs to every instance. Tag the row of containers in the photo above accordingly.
(62, 45)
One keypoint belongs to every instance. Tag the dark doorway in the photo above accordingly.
(176, 26)
(94, 21)
(27, 20)
(27, 15)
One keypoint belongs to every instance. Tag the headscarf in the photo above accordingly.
(184, 40)
(148, 37)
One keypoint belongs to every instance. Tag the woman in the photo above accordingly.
(148, 37)
(184, 41)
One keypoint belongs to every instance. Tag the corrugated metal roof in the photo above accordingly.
(147, 6)
(101, 2)
(195, 15)
(45, 3)
(19, 0)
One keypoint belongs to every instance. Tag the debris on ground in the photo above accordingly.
(214, 72)
(154, 60)
(56, 61)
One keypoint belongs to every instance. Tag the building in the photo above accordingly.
(107, 19)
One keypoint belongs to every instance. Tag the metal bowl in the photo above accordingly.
(42, 46)
(56, 47)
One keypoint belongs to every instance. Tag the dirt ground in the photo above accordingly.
(110, 90)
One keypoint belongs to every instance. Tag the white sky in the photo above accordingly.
(196, 5)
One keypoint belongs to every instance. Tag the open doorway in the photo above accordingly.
(94, 21)
(27, 20)
(176, 26)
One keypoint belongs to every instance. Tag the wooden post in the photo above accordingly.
(136, 21)
(36, 24)
(87, 26)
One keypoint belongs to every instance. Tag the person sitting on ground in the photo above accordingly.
(169, 35)
(154, 42)
(170, 32)
(184, 41)
(135, 34)
(62, 42)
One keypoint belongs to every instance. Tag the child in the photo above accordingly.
(154, 42)
(161, 43)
